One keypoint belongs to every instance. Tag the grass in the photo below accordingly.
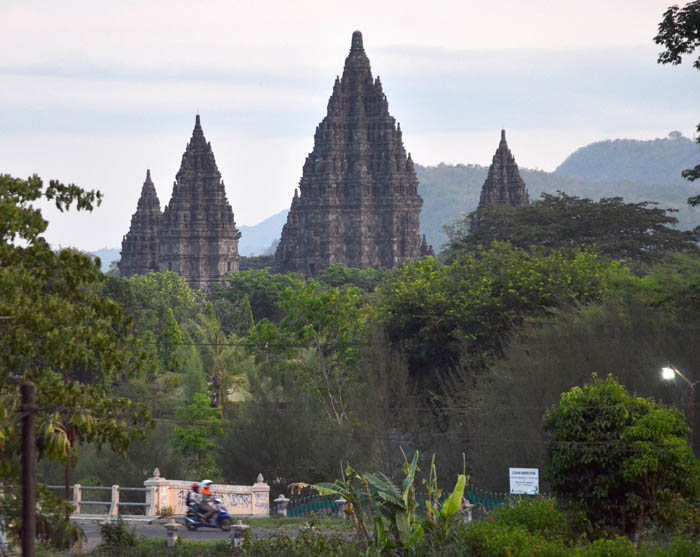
(292, 524)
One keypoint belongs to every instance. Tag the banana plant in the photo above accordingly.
(397, 525)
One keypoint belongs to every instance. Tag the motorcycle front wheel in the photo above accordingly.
(225, 524)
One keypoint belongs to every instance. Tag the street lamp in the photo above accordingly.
(668, 373)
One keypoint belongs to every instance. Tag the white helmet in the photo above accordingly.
(206, 483)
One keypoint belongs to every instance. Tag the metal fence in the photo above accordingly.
(483, 500)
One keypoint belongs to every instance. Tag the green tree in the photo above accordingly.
(679, 34)
(624, 458)
(59, 332)
(198, 425)
(319, 338)
(224, 359)
(171, 339)
(263, 290)
(439, 314)
(632, 232)
(364, 279)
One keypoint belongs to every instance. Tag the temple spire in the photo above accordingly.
(198, 232)
(359, 178)
(503, 185)
(356, 44)
(140, 245)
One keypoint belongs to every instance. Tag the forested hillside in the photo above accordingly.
(657, 161)
(451, 191)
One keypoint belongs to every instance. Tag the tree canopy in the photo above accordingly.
(632, 232)
(58, 331)
(679, 34)
(624, 458)
(438, 314)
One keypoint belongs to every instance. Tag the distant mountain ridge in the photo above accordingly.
(656, 161)
(258, 239)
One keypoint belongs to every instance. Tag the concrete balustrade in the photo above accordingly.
(161, 494)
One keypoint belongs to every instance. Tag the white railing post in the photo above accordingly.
(342, 504)
(281, 505)
(157, 494)
(467, 507)
(114, 507)
(77, 496)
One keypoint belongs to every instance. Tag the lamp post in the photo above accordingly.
(668, 373)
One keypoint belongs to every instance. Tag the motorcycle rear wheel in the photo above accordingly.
(190, 526)
(225, 524)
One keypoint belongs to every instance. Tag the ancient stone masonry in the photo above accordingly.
(357, 203)
(140, 245)
(503, 184)
(196, 235)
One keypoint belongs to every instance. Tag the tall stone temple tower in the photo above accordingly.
(357, 203)
(503, 184)
(196, 235)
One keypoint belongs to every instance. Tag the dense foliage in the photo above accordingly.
(631, 232)
(624, 458)
(440, 315)
(59, 332)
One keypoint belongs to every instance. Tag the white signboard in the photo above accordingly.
(524, 481)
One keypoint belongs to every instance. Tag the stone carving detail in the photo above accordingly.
(503, 184)
(196, 235)
(357, 203)
(140, 245)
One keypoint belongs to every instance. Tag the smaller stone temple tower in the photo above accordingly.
(140, 245)
(196, 235)
(503, 185)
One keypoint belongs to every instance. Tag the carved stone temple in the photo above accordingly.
(196, 235)
(357, 203)
(503, 184)
(140, 245)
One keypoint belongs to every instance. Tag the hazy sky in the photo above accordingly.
(95, 92)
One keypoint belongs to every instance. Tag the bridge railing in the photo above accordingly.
(161, 495)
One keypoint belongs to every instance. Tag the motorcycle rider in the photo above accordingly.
(204, 503)
(194, 497)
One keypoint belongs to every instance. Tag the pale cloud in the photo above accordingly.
(20, 91)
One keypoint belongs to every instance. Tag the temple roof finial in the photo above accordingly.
(148, 175)
(356, 41)
(503, 135)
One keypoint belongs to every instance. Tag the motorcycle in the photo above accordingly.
(194, 519)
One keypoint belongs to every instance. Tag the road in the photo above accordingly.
(154, 529)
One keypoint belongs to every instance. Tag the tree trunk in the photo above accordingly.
(67, 471)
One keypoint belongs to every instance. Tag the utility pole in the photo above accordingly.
(28, 478)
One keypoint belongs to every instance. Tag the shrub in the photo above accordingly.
(489, 539)
(537, 515)
(308, 543)
(680, 547)
(616, 547)
(117, 537)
